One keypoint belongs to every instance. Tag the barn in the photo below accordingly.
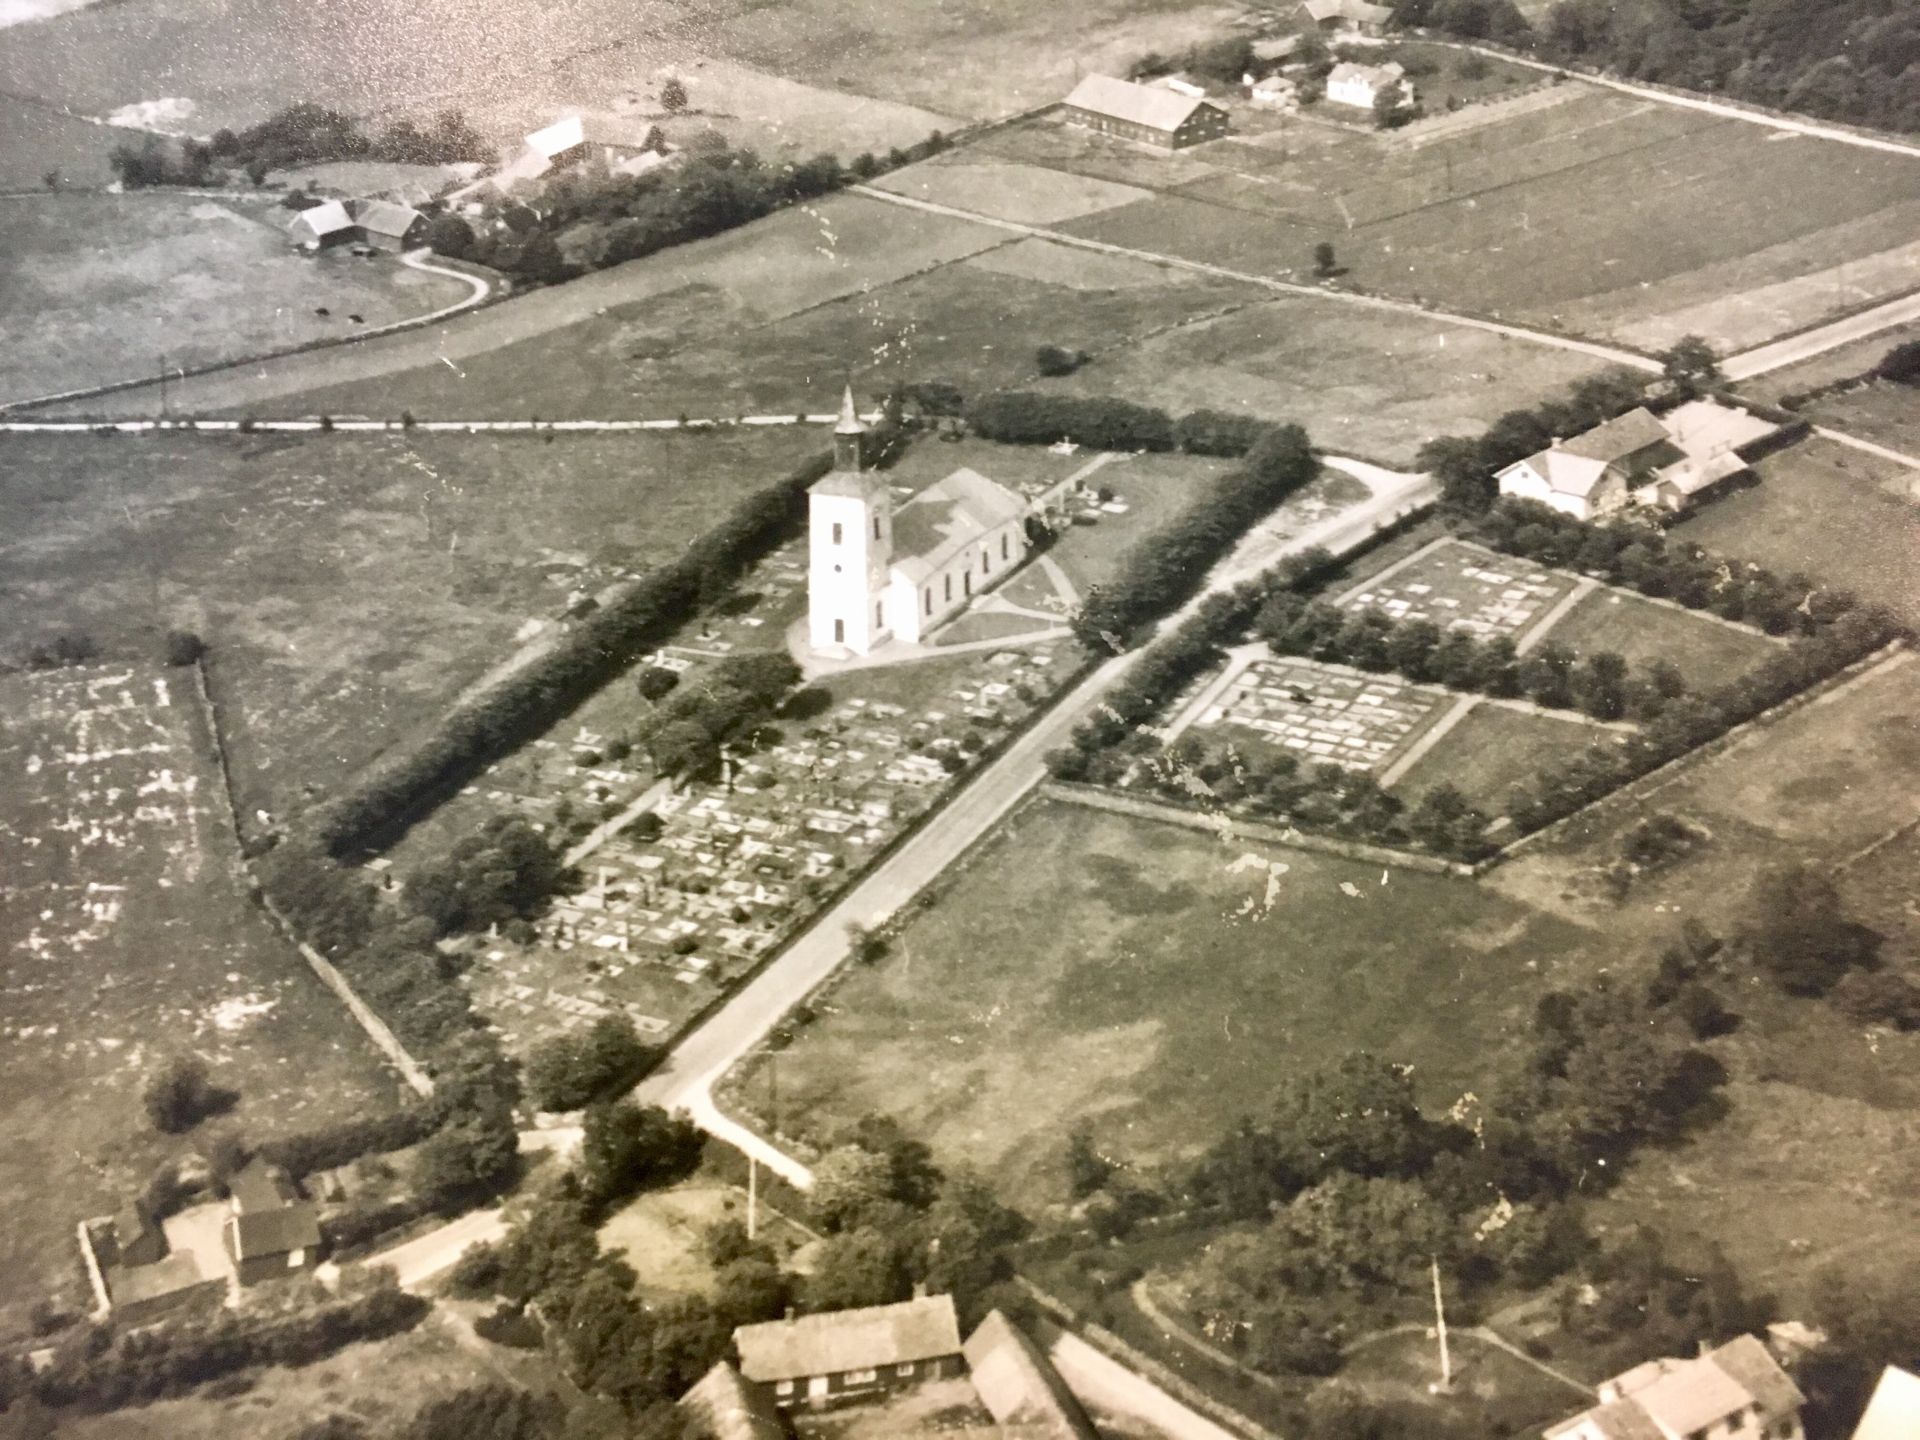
(1144, 114)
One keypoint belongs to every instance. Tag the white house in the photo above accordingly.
(1349, 83)
(876, 573)
(1736, 1392)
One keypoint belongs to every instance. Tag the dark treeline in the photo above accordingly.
(1851, 60)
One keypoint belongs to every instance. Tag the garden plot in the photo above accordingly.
(1463, 587)
(1325, 714)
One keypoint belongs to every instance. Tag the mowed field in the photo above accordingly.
(128, 940)
(1585, 215)
(350, 586)
(1834, 514)
(102, 288)
(1129, 974)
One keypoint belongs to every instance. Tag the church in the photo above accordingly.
(877, 572)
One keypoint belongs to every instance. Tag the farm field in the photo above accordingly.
(1836, 515)
(1152, 997)
(1362, 382)
(1505, 218)
(99, 287)
(1709, 654)
(130, 941)
(349, 585)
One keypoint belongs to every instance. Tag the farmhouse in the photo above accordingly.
(1144, 114)
(1349, 15)
(848, 1354)
(1360, 85)
(1019, 1386)
(271, 1230)
(1663, 461)
(1737, 1392)
(876, 573)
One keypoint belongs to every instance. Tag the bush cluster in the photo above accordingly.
(147, 1365)
(391, 792)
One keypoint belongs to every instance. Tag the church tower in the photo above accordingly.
(849, 545)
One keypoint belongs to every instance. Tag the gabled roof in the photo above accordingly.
(1894, 1411)
(274, 1232)
(326, 218)
(1151, 105)
(384, 217)
(842, 1340)
(731, 1409)
(1019, 1386)
(947, 516)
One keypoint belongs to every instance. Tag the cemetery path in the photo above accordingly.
(685, 1078)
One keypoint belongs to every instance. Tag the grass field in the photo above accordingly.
(99, 287)
(130, 941)
(1836, 515)
(1127, 991)
(349, 585)
(1582, 213)
(1708, 654)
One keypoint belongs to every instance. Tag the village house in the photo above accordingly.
(1735, 1392)
(1144, 114)
(1360, 86)
(1348, 16)
(1666, 462)
(270, 1231)
(877, 573)
(1019, 1386)
(852, 1354)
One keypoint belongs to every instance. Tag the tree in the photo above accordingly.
(183, 1094)
(1691, 365)
(1798, 933)
(673, 95)
(1324, 264)
(625, 1147)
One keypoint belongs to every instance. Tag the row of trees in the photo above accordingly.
(390, 793)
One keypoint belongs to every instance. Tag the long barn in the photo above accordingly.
(1144, 114)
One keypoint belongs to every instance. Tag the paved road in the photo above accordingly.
(1778, 354)
(1610, 353)
(685, 1079)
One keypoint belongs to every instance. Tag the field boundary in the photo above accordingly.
(383, 1038)
(1893, 653)
(1232, 827)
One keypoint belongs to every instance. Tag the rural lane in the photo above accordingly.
(685, 1078)
(1610, 353)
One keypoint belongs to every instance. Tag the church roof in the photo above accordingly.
(946, 517)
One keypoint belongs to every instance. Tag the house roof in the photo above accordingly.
(1020, 1387)
(1376, 76)
(1894, 1411)
(326, 218)
(384, 217)
(731, 1409)
(1151, 105)
(1358, 11)
(274, 1232)
(842, 1340)
(948, 515)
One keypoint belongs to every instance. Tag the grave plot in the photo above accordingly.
(688, 898)
(1463, 587)
(1324, 714)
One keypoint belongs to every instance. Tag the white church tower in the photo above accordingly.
(850, 546)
